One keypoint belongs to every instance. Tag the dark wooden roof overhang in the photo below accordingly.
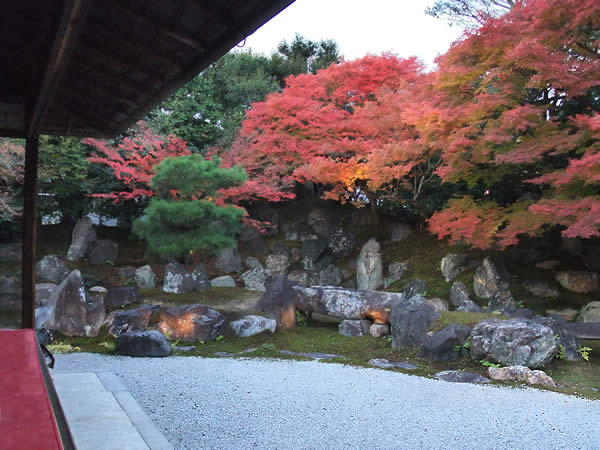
(95, 67)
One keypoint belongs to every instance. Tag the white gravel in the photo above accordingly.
(237, 404)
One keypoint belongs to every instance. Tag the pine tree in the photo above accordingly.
(187, 213)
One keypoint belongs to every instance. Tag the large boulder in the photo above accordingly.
(143, 343)
(541, 288)
(103, 251)
(453, 264)
(51, 268)
(442, 346)
(278, 302)
(330, 276)
(513, 342)
(277, 264)
(521, 373)
(399, 231)
(590, 312)
(42, 293)
(369, 269)
(396, 271)
(82, 237)
(410, 320)
(341, 243)
(120, 296)
(502, 301)
(304, 277)
(251, 325)
(578, 281)
(490, 277)
(119, 322)
(224, 281)
(200, 278)
(75, 313)
(567, 343)
(460, 297)
(177, 280)
(255, 279)
(378, 330)
(314, 254)
(345, 303)
(354, 328)
(318, 220)
(229, 261)
(191, 323)
(145, 278)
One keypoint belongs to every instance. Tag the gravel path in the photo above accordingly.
(238, 404)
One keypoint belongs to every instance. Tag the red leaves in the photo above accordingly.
(134, 159)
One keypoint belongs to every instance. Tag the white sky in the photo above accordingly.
(360, 27)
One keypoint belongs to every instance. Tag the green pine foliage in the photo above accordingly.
(184, 216)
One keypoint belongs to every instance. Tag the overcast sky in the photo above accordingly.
(360, 27)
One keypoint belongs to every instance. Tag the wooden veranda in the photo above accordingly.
(95, 67)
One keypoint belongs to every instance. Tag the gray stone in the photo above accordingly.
(590, 312)
(313, 355)
(352, 328)
(42, 293)
(177, 280)
(278, 302)
(145, 278)
(330, 276)
(254, 279)
(460, 376)
(541, 288)
(453, 264)
(120, 296)
(82, 237)
(253, 263)
(98, 293)
(385, 364)
(410, 320)
(399, 231)
(313, 253)
(255, 246)
(229, 261)
(568, 314)
(369, 270)
(191, 323)
(441, 346)
(103, 251)
(224, 281)
(459, 294)
(126, 273)
(51, 268)
(251, 325)
(304, 277)
(470, 307)
(295, 255)
(345, 303)
(341, 243)
(567, 343)
(149, 343)
(578, 281)
(119, 322)
(521, 373)
(200, 278)
(513, 342)
(319, 221)
(438, 304)
(378, 330)
(75, 313)
(277, 264)
(396, 271)
(549, 264)
(502, 301)
(490, 277)
(415, 287)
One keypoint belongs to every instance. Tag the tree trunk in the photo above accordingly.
(373, 207)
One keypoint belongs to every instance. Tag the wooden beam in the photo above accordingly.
(114, 79)
(29, 230)
(163, 29)
(105, 90)
(73, 15)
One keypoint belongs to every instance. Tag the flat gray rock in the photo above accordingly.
(459, 376)
(385, 364)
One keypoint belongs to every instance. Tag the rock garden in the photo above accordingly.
(321, 284)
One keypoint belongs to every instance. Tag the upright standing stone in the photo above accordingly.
(145, 278)
(369, 270)
(52, 269)
(229, 261)
(83, 236)
(490, 277)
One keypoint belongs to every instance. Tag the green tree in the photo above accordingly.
(187, 214)
(63, 178)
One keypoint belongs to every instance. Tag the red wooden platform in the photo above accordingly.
(27, 418)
